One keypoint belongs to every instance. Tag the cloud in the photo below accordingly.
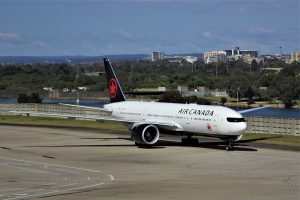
(213, 36)
(125, 34)
(260, 30)
(40, 44)
(207, 35)
(8, 36)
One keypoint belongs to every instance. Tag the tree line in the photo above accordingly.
(250, 81)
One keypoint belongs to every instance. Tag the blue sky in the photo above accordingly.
(95, 27)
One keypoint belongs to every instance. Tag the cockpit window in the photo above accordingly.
(233, 119)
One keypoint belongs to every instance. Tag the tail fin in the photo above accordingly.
(115, 91)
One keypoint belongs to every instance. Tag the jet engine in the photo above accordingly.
(238, 138)
(145, 134)
(233, 138)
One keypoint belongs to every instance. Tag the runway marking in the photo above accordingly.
(25, 164)
(69, 185)
(111, 177)
(10, 189)
(35, 170)
(50, 164)
(67, 171)
(93, 179)
(58, 191)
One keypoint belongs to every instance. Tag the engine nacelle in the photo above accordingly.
(233, 138)
(238, 138)
(145, 134)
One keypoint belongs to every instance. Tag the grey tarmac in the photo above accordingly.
(58, 163)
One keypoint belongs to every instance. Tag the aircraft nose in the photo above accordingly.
(239, 128)
(243, 126)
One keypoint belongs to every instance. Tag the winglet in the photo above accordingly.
(114, 88)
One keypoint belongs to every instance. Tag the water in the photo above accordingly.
(276, 112)
(267, 112)
(91, 103)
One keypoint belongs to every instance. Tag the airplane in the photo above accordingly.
(147, 120)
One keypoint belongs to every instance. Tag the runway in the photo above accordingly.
(56, 163)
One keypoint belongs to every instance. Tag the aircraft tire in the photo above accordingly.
(142, 145)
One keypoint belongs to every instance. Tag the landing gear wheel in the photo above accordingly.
(228, 148)
(189, 141)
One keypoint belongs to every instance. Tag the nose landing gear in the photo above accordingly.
(229, 145)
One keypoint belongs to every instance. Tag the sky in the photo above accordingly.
(97, 27)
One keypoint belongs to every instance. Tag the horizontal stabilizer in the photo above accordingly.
(252, 109)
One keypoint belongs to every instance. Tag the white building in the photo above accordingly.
(82, 88)
(237, 52)
(48, 88)
(295, 56)
(214, 56)
(190, 59)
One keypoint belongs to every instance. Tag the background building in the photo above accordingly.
(214, 56)
(227, 55)
(191, 59)
(237, 52)
(295, 56)
(155, 56)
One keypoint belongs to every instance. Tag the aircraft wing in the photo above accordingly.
(168, 125)
(162, 124)
(88, 107)
(252, 109)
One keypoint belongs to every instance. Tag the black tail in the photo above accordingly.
(115, 91)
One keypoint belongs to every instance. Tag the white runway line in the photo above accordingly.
(72, 172)
(35, 170)
(69, 185)
(49, 164)
(48, 189)
(8, 190)
(111, 177)
(58, 191)
(25, 164)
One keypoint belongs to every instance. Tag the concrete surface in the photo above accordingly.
(53, 163)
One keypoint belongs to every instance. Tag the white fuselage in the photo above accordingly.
(192, 118)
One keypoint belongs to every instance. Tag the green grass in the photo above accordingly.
(49, 121)
(287, 140)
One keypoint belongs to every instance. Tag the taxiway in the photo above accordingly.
(57, 163)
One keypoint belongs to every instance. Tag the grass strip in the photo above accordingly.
(51, 121)
(263, 138)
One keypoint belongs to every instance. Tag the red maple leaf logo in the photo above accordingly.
(113, 88)
(209, 127)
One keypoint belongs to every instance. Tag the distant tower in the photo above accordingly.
(280, 50)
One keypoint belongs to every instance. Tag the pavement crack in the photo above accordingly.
(45, 156)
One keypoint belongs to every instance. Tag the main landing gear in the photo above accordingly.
(189, 141)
